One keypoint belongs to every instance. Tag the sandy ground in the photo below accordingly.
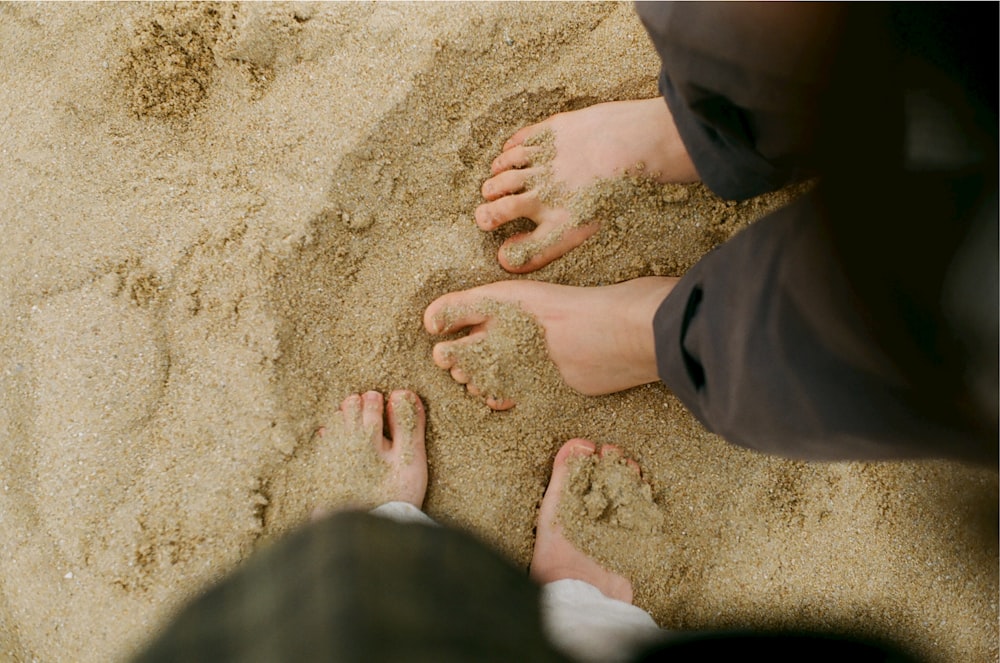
(218, 220)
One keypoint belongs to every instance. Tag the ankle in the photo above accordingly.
(636, 335)
(678, 164)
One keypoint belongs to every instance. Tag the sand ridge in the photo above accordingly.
(221, 219)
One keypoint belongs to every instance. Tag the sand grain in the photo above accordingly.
(219, 220)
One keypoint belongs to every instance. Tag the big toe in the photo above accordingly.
(575, 448)
(407, 454)
(407, 421)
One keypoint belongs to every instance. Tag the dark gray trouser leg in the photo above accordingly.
(861, 323)
(356, 587)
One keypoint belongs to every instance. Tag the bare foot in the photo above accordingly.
(554, 557)
(403, 451)
(602, 141)
(600, 339)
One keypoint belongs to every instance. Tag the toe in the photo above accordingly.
(574, 448)
(506, 183)
(351, 409)
(447, 355)
(406, 452)
(492, 402)
(611, 451)
(443, 356)
(519, 156)
(371, 414)
(459, 376)
(527, 252)
(499, 404)
(406, 419)
(523, 134)
(453, 312)
(492, 215)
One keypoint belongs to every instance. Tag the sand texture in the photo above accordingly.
(217, 221)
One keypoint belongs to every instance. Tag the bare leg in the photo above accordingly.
(600, 339)
(602, 141)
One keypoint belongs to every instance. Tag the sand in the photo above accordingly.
(220, 220)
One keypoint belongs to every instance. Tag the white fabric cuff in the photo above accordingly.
(402, 512)
(588, 626)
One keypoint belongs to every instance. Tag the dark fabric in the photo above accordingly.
(762, 361)
(862, 321)
(359, 588)
(744, 83)
(356, 587)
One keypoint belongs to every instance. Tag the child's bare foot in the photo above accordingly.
(403, 451)
(600, 339)
(554, 557)
(602, 141)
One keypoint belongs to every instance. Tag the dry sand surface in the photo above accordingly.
(218, 220)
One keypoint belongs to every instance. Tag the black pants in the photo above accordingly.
(860, 322)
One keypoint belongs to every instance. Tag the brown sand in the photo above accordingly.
(510, 361)
(605, 490)
(219, 220)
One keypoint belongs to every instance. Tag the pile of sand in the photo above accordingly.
(219, 220)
